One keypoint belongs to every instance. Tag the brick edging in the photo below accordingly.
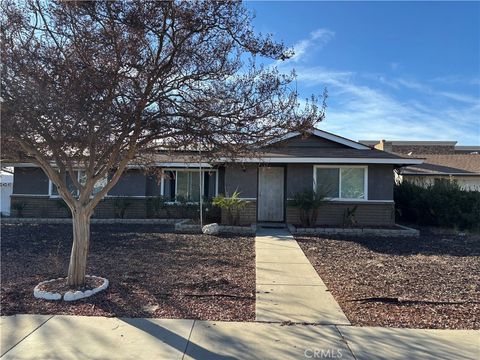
(404, 231)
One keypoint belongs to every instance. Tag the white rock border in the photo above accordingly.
(69, 295)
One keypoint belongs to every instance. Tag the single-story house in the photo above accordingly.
(354, 174)
(442, 160)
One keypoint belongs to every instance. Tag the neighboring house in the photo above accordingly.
(442, 160)
(353, 173)
(6, 182)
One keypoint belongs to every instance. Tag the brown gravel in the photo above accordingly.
(152, 273)
(61, 287)
(427, 282)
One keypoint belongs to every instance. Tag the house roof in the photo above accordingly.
(278, 151)
(451, 164)
(467, 149)
(325, 135)
(410, 142)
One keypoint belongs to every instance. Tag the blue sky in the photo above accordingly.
(393, 70)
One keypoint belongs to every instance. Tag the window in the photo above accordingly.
(341, 182)
(70, 186)
(188, 186)
(327, 182)
(99, 185)
(184, 185)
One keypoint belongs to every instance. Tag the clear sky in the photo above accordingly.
(393, 70)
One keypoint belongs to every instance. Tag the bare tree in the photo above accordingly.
(92, 86)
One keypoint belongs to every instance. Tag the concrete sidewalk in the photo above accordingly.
(288, 287)
(79, 337)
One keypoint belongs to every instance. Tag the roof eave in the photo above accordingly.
(317, 160)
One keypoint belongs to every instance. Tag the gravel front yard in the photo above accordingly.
(427, 282)
(152, 273)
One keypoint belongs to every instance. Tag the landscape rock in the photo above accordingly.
(68, 296)
(211, 229)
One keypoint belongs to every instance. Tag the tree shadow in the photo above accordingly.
(172, 339)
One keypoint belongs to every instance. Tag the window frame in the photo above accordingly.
(175, 170)
(50, 185)
(339, 167)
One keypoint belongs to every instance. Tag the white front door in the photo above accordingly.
(270, 193)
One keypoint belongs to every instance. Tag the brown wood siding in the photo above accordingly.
(373, 214)
(309, 141)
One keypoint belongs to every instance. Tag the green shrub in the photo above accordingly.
(308, 202)
(232, 205)
(186, 208)
(442, 204)
(155, 205)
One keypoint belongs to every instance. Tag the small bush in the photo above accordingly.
(442, 204)
(120, 205)
(350, 217)
(308, 202)
(232, 205)
(156, 206)
(186, 209)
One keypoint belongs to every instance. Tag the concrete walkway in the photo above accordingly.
(288, 287)
(80, 337)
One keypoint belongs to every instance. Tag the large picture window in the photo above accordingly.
(80, 176)
(341, 182)
(184, 185)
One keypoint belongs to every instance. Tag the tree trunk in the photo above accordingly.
(81, 239)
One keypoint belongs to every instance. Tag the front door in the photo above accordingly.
(270, 193)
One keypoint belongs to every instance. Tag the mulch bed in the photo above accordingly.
(427, 282)
(61, 287)
(152, 272)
